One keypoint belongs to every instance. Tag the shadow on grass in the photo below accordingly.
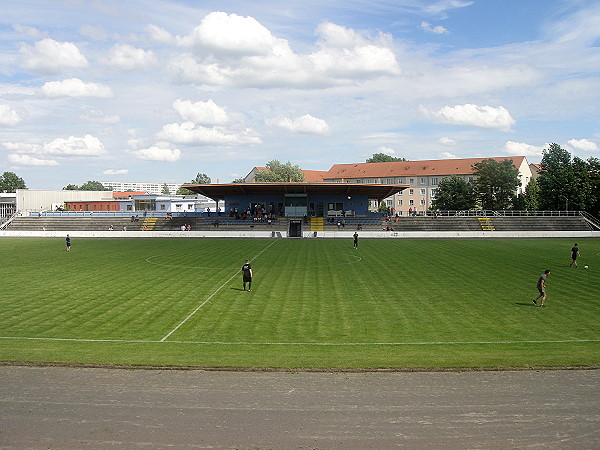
(525, 304)
(236, 289)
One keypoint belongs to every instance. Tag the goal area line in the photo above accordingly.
(324, 344)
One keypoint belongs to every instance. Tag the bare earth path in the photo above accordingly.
(60, 407)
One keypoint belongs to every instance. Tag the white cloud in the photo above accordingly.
(159, 152)
(75, 146)
(522, 149)
(231, 34)
(304, 124)
(472, 115)
(96, 116)
(447, 155)
(49, 56)
(28, 31)
(386, 151)
(96, 33)
(444, 140)
(8, 116)
(441, 6)
(207, 113)
(22, 147)
(27, 160)
(159, 34)
(345, 53)
(584, 144)
(74, 87)
(426, 26)
(190, 133)
(116, 172)
(225, 56)
(135, 142)
(127, 57)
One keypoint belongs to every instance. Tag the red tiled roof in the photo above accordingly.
(410, 168)
(314, 176)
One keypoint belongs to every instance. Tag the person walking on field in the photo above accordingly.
(68, 241)
(247, 275)
(574, 255)
(541, 286)
(355, 236)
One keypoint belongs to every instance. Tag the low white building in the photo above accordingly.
(166, 203)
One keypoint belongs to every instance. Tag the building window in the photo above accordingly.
(411, 181)
(411, 192)
(401, 193)
(401, 180)
(389, 181)
(422, 202)
(422, 180)
(399, 202)
(422, 191)
(434, 181)
(359, 180)
(411, 202)
(389, 203)
(162, 207)
(433, 193)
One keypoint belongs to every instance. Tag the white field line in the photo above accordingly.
(210, 296)
(327, 344)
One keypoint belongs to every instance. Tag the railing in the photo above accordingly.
(508, 213)
(140, 214)
(6, 221)
(591, 219)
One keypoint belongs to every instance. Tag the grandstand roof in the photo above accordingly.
(440, 167)
(219, 191)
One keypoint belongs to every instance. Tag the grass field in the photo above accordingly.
(316, 303)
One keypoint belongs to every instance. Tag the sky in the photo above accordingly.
(161, 90)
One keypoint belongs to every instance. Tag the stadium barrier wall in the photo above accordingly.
(337, 234)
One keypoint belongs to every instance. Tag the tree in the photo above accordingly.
(496, 183)
(71, 187)
(530, 199)
(10, 182)
(165, 190)
(594, 201)
(454, 193)
(566, 182)
(280, 173)
(93, 186)
(201, 178)
(238, 181)
(382, 157)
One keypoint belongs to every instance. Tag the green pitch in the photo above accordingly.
(317, 303)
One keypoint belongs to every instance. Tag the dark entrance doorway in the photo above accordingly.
(295, 228)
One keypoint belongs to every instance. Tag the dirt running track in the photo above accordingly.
(59, 407)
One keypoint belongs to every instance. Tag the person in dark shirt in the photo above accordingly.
(541, 286)
(574, 255)
(355, 236)
(68, 241)
(247, 275)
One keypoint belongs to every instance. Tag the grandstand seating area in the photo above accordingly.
(373, 223)
(102, 223)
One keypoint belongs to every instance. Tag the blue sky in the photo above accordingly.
(159, 90)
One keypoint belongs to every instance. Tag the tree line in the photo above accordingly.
(564, 183)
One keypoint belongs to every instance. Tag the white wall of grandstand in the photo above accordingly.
(150, 188)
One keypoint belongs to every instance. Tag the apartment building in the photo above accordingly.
(422, 177)
(150, 188)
